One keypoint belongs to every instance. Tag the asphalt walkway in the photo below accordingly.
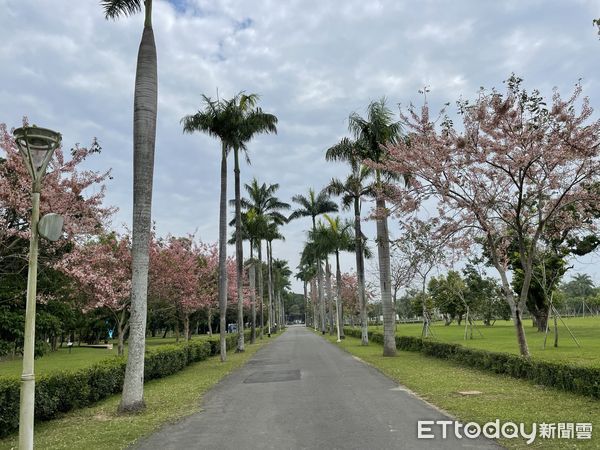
(301, 392)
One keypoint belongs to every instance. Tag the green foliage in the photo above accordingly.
(577, 379)
(63, 391)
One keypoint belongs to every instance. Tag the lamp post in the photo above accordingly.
(36, 146)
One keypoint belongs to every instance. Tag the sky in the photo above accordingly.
(312, 62)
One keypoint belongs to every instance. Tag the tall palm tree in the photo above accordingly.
(144, 136)
(341, 239)
(272, 233)
(252, 121)
(312, 206)
(352, 190)
(281, 282)
(305, 274)
(268, 208)
(219, 119)
(374, 133)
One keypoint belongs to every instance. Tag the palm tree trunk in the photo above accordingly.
(313, 297)
(339, 304)
(210, 332)
(261, 289)
(223, 255)
(383, 249)
(144, 135)
(305, 303)
(360, 274)
(186, 327)
(239, 251)
(329, 296)
(269, 288)
(321, 299)
(252, 293)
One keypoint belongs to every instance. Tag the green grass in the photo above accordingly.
(501, 338)
(167, 399)
(502, 397)
(78, 358)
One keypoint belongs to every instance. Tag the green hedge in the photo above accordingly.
(580, 380)
(63, 391)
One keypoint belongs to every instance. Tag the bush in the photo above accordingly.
(580, 380)
(63, 391)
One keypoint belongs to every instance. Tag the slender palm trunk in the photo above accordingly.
(144, 136)
(269, 289)
(360, 274)
(253, 293)
(305, 303)
(339, 304)
(329, 296)
(383, 249)
(261, 289)
(186, 327)
(223, 255)
(313, 295)
(210, 317)
(239, 251)
(320, 293)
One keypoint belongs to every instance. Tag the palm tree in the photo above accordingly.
(341, 239)
(374, 133)
(281, 282)
(252, 121)
(144, 136)
(352, 190)
(272, 233)
(306, 273)
(313, 206)
(219, 119)
(311, 256)
(267, 208)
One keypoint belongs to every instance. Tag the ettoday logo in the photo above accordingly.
(431, 429)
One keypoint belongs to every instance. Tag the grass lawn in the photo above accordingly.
(502, 397)
(501, 338)
(167, 399)
(78, 358)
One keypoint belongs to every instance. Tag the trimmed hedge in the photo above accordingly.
(580, 380)
(60, 392)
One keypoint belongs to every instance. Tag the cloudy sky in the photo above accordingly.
(312, 61)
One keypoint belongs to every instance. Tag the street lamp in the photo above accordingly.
(36, 146)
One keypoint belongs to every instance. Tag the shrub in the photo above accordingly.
(580, 380)
(66, 390)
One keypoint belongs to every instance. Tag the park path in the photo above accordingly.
(301, 392)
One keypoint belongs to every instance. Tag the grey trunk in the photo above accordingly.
(239, 252)
(252, 294)
(269, 289)
(383, 250)
(320, 293)
(340, 305)
(223, 255)
(261, 289)
(329, 296)
(144, 136)
(360, 274)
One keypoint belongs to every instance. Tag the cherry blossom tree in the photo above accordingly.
(520, 170)
(101, 271)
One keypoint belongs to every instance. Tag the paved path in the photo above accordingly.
(301, 392)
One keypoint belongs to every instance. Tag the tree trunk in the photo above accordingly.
(339, 304)
(321, 299)
(269, 289)
(305, 303)
(223, 255)
(210, 317)
(186, 327)
(121, 338)
(144, 135)
(329, 296)
(518, 322)
(360, 273)
(239, 252)
(383, 248)
(252, 294)
(313, 298)
(261, 289)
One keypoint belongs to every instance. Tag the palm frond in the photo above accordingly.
(114, 9)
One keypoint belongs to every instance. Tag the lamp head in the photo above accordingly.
(36, 146)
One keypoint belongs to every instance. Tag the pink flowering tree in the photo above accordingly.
(519, 171)
(174, 273)
(101, 271)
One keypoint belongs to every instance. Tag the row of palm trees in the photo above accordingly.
(364, 153)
